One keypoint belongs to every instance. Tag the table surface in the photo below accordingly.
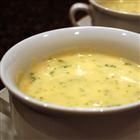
(20, 19)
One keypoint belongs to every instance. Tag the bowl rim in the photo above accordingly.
(45, 106)
(115, 12)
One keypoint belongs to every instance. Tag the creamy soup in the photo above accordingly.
(132, 6)
(83, 79)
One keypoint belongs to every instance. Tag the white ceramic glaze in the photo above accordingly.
(35, 119)
(102, 16)
(28, 124)
(85, 21)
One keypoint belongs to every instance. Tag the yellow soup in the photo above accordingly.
(132, 6)
(84, 79)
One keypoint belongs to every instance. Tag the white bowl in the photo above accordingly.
(20, 56)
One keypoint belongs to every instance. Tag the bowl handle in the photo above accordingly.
(4, 105)
(77, 7)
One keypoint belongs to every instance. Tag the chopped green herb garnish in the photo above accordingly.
(99, 90)
(106, 90)
(32, 76)
(52, 72)
(87, 103)
(40, 98)
(61, 83)
(60, 60)
(129, 85)
(50, 58)
(66, 66)
(107, 78)
(128, 64)
(81, 89)
(110, 65)
(113, 105)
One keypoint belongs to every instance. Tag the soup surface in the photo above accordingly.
(132, 6)
(83, 79)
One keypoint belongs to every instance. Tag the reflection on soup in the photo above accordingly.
(83, 79)
(132, 6)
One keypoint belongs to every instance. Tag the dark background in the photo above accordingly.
(20, 19)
